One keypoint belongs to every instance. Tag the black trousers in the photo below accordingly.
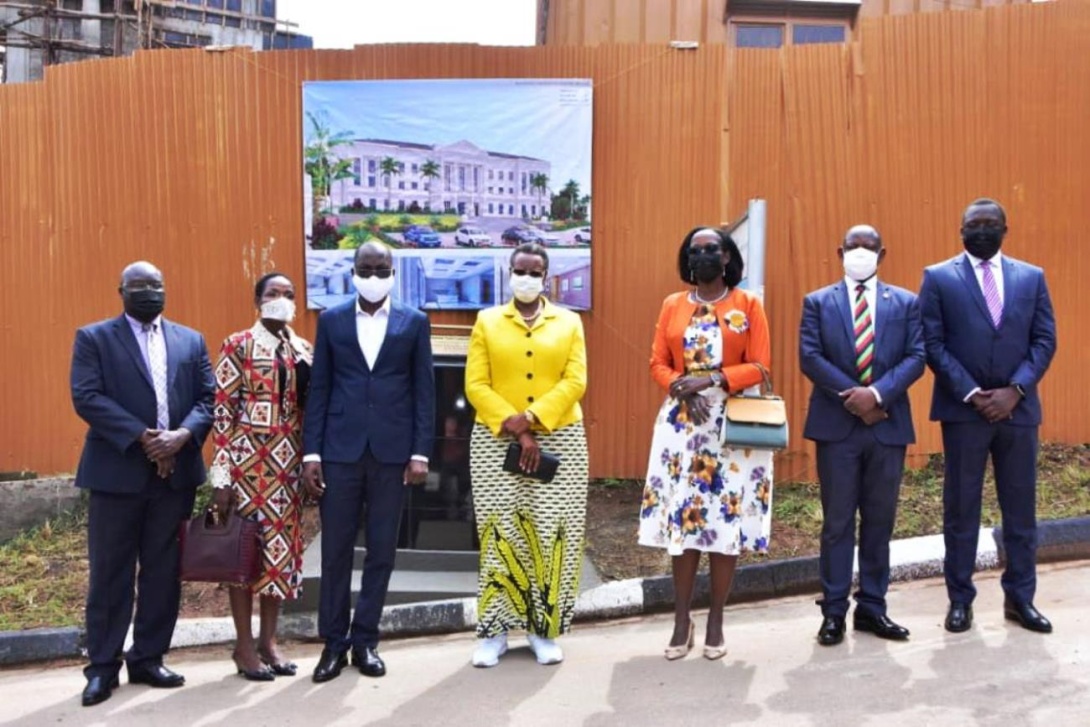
(857, 474)
(350, 489)
(127, 535)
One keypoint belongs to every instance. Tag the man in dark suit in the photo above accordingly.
(144, 386)
(861, 344)
(367, 433)
(990, 335)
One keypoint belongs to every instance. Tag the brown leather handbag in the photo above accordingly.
(228, 552)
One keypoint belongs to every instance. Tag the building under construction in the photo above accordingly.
(39, 33)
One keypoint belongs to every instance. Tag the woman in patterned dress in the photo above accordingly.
(701, 496)
(525, 374)
(261, 380)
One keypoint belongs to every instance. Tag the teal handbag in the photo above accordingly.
(756, 422)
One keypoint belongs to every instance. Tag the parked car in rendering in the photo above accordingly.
(549, 238)
(582, 235)
(471, 236)
(522, 233)
(422, 236)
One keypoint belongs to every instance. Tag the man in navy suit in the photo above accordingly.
(367, 433)
(861, 344)
(990, 335)
(144, 386)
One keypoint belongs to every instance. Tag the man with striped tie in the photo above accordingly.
(861, 344)
(990, 335)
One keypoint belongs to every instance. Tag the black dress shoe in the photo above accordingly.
(959, 618)
(369, 662)
(880, 626)
(831, 632)
(155, 675)
(99, 689)
(1028, 616)
(330, 664)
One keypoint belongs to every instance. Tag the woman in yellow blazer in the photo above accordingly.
(525, 374)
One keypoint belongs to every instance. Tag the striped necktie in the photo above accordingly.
(991, 293)
(157, 363)
(864, 336)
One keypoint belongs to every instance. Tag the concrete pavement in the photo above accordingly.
(775, 674)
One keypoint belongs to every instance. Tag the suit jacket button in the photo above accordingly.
(529, 353)
(530, 399)
(529, 376)
(528, 334)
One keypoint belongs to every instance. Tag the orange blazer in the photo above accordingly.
(745, 339)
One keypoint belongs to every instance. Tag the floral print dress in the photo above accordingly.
(700, 495)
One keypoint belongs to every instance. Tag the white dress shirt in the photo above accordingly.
(371, 330)
(996, 263)
(870, 292)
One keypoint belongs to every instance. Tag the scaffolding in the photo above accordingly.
(59, 31)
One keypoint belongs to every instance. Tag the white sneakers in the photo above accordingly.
(546, 650)
(489, 650)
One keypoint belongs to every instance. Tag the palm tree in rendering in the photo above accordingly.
(429, 170)
(322, 162)
(571, 192)
(539, 183)
(389, 168)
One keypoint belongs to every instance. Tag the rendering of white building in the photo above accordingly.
(460, 177)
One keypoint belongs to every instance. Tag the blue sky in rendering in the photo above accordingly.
(548, 119)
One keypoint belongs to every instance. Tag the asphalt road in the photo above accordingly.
(614, 674)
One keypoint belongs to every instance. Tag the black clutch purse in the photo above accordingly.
(546, 468)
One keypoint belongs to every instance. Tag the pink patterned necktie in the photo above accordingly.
(991, 293)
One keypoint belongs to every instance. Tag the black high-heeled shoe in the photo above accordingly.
(281, 669)
(264, 674)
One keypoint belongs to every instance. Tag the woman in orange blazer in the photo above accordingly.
(701, 495)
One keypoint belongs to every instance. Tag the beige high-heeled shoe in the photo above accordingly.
(715, 652)
(680, 652)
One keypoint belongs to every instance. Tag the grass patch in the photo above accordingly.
(1063, 491)
(43, 574)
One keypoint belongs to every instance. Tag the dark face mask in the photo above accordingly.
(984, 243)
(144, 305)
(706, 267)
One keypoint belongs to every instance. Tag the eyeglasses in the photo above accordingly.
(711, 249)
(531, 273)
(982, 224)
(141, 286)
(381, 273)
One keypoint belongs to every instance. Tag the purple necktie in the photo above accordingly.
(991, 293)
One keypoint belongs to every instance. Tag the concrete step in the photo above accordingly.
(419, 576)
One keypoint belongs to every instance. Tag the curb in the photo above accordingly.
(910, 559)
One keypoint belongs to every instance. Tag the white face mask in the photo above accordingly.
(279, 309)
(860, 263)
(374, 288)
(526, 287)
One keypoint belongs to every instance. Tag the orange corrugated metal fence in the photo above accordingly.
(191, 159)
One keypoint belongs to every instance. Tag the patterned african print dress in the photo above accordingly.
(699, 494)
(258, 445)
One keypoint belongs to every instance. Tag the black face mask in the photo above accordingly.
(144, 305)
(982, 244)
(706, 267)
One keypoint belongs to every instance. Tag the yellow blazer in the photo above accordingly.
(512, 367)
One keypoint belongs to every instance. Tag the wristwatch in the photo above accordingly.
(1019, 389)
(530, 416)
(717, 379)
